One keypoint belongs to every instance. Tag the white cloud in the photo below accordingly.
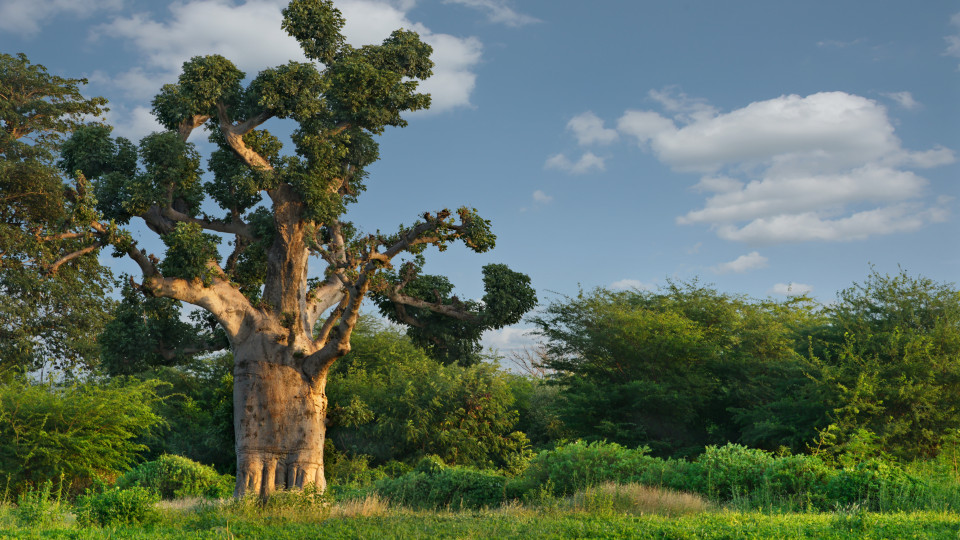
(25, 17)
(632, 285)
(743, 263)
(498, 11)
(904, 99)
(249, 34)
(588, 162)
(588, 129)
(135, 124)
(811, 226)
(791, 289)
(793, 168)
(686, 108)
(540, 197)
(644, 125)
(509, 339)
(953, 40)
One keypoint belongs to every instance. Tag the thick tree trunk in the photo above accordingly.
(279, 419)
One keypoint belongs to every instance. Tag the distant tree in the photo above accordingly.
(674, 369)
(285, 328)
(51, 298)
(890, 352)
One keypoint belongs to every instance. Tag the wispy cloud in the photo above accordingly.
(588, 162)
(632, 285)
(540, 197)
(791, 289)
(498, 11)
(904, 99)
(743, 263)
(953, 40)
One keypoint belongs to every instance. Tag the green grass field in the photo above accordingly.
(374, 519)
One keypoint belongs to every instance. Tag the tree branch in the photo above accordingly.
(322, 298)
(190, 124)
(234, 136)
(443, 309)
(236, 227)
(79, 253)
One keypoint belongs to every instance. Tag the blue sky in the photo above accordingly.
(766, 147)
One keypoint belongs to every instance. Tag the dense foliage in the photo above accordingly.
(45, 320)
(176, 477)
(679, 369)
(80, 431)
(390, 401)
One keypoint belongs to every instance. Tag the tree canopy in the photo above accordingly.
(43, 216)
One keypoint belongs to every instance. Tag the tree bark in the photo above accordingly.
(279, 418)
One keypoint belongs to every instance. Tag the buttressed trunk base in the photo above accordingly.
(279, 420)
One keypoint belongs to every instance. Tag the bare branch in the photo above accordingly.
(236, 227)
(67, 258)
(65, 236)
(331, 321)
(323, 298)
(449, 310)
(190, 124)
(147, 263)
(234, 136)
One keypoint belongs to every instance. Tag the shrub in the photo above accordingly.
(433, 485)
(83, 431)
(37, 507)
(115, 506)
(734, 470)
(575, 466)
(875, 485)
(173, 477)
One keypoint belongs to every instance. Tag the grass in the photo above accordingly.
(606, 511)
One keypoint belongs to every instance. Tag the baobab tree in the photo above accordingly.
(278, 210)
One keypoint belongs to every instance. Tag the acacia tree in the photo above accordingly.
(279, 210)
(43, 320)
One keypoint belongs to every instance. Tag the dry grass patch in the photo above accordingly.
(371, 505)
(637, 499)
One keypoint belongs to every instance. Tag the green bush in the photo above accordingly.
(389, 400)
(174, 477)
(433, 485)
(733, 470)
(39, 506)
(115, 506)
(82, 431)
(876, 485)
(571, 467)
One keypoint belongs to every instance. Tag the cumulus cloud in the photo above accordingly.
(791, 289)
(588, 129)
(25, 17)
(793, 168)
(249, 34)
(588, 162)
(498, 11)
(743, 263)
(136, 123)
(631, 285)
(509, 339)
